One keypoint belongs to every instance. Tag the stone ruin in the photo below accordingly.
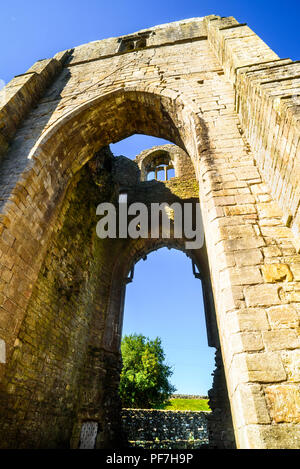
(230, 107)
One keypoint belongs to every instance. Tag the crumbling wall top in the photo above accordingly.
(178, 31)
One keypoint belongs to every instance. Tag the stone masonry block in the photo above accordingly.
(245, 199)
(281, 339)
(262, 295)
(243, 243)
(295, 268)
(239, 210)
(291, 362)
(284, 402)
(283, 436)
(246, 342)
(276, 273)
(271, 251)
(265, 367)
(248, 257)
(252, 404)
(283, 316)
(230, 298)
(247, 320)
(240, 136)
(233, 232)
(245, 275)
(276, 232)
(269, 210)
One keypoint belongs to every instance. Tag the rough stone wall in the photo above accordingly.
(62, 328)
(212, 87)
(165, 428)
(188, 396)
(22, 92)
(219, 421)
(267, 101)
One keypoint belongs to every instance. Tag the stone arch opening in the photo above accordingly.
(66, 145)
(156, 279)
(171, 160)
(220, 427)
(134, 252)
(68, 314)
(165, 299)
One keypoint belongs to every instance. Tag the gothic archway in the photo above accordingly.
(207, 86)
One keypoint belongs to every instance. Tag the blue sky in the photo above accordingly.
(33, 29)
(164, 299)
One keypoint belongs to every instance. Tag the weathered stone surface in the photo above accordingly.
(248, 319)
(295, 268)
(262, 295)
(280, 339)
(284, 316)
(265, 367)
(283, 436)
(271, 251)
(243, 244)
(161, 427)
(276, 232)
(269, 210)
(251, 398)
(213, 88)
(291, 361)
(276, 273)
(248, 257)
(239, 210)
(246, 342)
(243, 276)
(284, 402)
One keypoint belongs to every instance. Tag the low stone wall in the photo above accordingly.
(165, 428)
(187, 396)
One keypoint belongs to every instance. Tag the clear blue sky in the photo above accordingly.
(34, 29)
(165, 300)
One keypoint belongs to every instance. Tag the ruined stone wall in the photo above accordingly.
(219, 421)
(211, 86)
(165, 428)
(267, 102)
(61, 334)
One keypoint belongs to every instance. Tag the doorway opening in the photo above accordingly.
(165, 299)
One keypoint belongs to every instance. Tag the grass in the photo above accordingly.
(187, 404)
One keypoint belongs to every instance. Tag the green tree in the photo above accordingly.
(144, 378)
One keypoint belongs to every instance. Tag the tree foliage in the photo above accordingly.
(144, 378)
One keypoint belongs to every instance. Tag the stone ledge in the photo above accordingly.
(20, 94)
